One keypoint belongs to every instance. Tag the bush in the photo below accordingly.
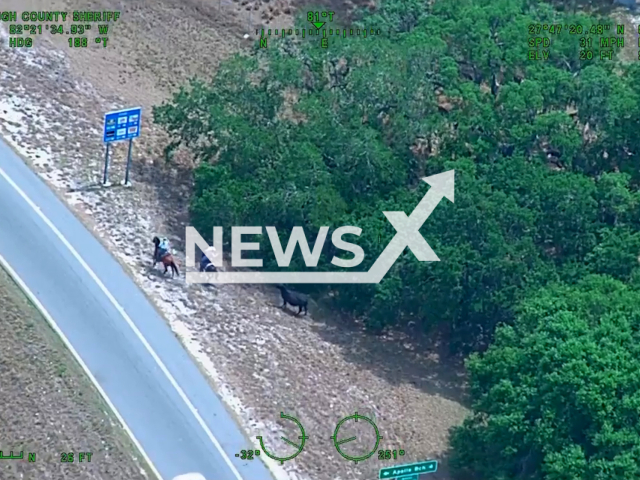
(558, 393)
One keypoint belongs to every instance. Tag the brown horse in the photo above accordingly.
(167, 259)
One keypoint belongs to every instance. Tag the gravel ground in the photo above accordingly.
(260, 360)
(49, 406)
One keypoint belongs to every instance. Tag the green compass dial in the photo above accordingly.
(337, 442)
(302, 437)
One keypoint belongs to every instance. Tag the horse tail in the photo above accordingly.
(175, 268)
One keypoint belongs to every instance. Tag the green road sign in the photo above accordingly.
(410, 477)
(407, 471)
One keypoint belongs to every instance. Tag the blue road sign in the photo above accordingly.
(407, 471)
(122, 125)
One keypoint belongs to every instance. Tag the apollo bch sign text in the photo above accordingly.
(408, 235)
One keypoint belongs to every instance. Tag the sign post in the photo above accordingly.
(126, 173)
(105, 177)
(121, 125)
(409, 472)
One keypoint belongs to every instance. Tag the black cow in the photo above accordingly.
(294, 299)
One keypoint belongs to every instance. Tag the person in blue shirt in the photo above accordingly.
(162, 248)
(205, 264)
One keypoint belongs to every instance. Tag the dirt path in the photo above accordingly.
(260, 360)
(49, 406)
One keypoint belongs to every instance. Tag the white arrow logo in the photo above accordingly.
(408, 235)
(408, 228)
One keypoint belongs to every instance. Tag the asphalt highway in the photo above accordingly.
(164, 399)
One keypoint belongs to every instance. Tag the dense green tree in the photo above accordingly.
(557, 394)
(544, 153)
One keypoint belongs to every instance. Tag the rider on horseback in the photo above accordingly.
(163, 248)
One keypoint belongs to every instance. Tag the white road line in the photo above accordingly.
(126, 317)
(43, 311)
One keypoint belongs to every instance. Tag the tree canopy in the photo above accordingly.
(557, 394)
(543, 151)
(546, 205)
